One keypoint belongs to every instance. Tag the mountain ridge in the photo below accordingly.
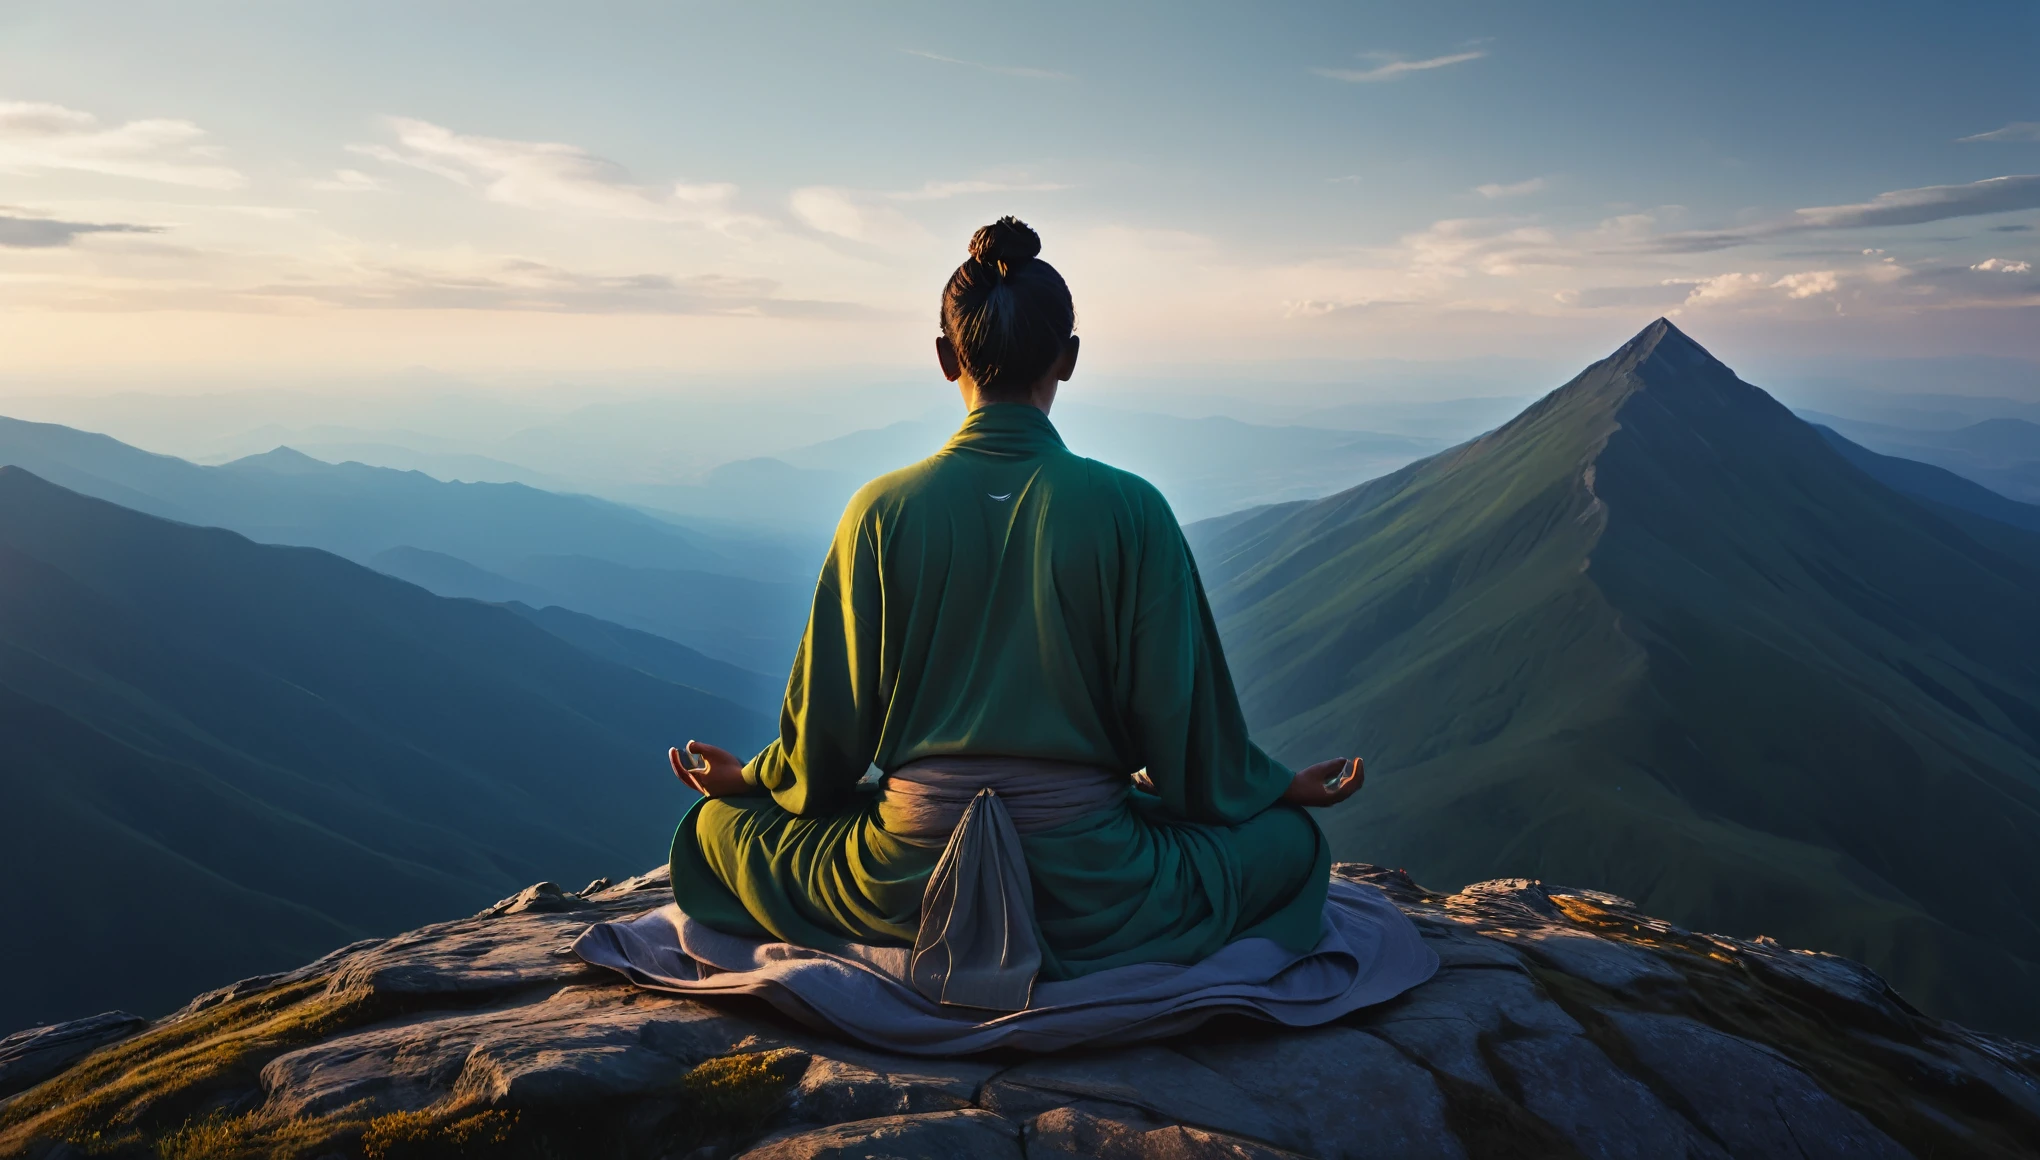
(1655, 633)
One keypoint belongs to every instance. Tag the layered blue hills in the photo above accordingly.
(224, 757)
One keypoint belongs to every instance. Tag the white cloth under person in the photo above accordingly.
(1370, 952)
(968, 984)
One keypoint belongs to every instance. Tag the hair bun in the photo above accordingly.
(1005, 243)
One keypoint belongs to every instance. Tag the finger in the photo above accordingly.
(1324, 771)
(711, 752)
(684, 773)
(1353, 777)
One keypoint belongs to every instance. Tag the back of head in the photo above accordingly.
(1007, 312)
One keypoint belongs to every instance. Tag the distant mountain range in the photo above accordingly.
(1205, 466)
(2002, 454)
(1659, 636)
(262, 752)
(738, 597)
(755, 624)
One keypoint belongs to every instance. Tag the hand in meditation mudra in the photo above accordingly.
(1010, 632)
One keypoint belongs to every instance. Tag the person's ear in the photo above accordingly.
(945, 354)
(1068, 365)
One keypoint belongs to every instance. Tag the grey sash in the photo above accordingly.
(976, 946)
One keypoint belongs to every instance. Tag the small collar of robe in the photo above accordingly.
(1007, 430)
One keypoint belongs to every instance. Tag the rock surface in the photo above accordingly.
(1562, 1024)
(29, 1057)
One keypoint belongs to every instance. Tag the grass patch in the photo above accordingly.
(183, 1091)
(168, 1079)
(423, 1136)
(738, 1094)
(219, 1136)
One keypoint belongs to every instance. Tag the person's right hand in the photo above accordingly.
(1327, 783)
(720, 774)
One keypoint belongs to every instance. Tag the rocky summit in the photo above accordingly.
(1562, 1023)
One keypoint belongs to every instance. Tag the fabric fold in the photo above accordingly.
(1369, 952)
(978, 945)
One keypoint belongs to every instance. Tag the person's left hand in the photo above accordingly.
(1327, 783)
(720, 774)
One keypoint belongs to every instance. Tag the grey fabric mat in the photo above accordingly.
(1370, 952)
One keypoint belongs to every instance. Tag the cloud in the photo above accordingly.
(1901, 207)
(552, 176)
(350, 181)
(1808, 284)
(37, 137)
(1040, 74)
(26, 233)
(857, 216)
(1494, 190)
(875, 217)
(1726, 288)
(2003, 266)
(519, 284)
(2011, 229)
(1394, 68)
(1931, 203)
(2016, 131)
(1500, 247)
(1655, 296)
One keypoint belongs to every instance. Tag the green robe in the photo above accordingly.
(1007, 597)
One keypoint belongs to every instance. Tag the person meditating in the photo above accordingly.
(1009, 633)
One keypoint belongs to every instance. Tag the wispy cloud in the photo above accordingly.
(1902, 207)
(349, 181)
(2003, 266)
(878, 217)
(40, 137)
(31, 233)
(2016, 131)
(1930, 203)
(518, 284)
(552, 176)
(1010, 70)
(1394, 68)
(858, 216)
(1494, 190)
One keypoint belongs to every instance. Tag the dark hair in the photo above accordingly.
(1007, 312)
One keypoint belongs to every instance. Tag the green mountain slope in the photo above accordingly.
(1656, 636)
(262, 752)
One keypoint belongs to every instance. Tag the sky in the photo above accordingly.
(210, 192)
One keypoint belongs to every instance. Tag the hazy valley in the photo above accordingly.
(1655, 635)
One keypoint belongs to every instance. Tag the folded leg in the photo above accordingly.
(1125, 886)
(747, 866)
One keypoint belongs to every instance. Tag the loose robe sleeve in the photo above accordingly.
(835, 696)
(1184, 712)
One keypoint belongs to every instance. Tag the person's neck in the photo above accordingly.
(1041, 397)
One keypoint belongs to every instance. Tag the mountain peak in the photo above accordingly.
(1662, 340)
(283, 460)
